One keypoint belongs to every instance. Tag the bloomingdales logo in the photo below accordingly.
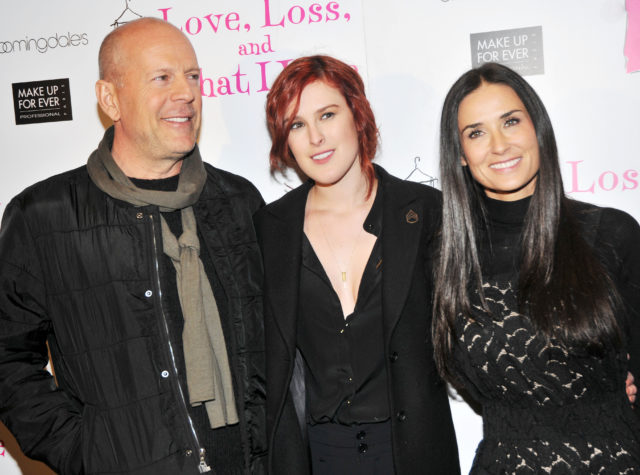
(42, 44)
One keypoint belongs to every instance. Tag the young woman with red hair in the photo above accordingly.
(352, 386)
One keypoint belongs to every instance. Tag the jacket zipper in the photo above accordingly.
(203, 467)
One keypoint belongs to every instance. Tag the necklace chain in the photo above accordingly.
(341, 268)
(344, 276)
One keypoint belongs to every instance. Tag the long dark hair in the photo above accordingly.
(562, 286)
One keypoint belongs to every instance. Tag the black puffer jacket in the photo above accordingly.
(79, 270)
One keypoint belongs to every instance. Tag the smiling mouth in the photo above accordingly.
(178, 120)
(323, 155)
(507, 164)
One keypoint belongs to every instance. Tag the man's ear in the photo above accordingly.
(107, 96)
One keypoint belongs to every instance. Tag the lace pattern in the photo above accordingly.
(546, 408)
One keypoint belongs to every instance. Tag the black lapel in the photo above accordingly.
(402, 222)
(281, 235)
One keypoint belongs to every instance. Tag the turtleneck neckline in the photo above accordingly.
(158, 184)
(506, 212)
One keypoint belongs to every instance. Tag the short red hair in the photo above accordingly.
(287, 89)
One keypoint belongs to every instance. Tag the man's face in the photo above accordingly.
(158, 93)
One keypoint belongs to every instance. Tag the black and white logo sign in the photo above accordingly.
(520, 49)
(42, 101)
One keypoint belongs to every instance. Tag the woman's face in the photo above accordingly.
(323, 138)
(499, 142)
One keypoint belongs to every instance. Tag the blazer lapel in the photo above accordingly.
(402, 224)
(282, 252)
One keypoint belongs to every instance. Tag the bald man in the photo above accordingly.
(141, 272)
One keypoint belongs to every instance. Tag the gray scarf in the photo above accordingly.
(205, 352)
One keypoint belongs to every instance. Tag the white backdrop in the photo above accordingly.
(408, 52)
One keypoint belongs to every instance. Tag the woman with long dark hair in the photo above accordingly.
(352, 387)
(537, 298)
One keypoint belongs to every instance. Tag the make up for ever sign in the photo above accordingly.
(42, 101)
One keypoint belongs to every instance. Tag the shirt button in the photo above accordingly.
(348, 403)
(165, 374)
(148, 293)
(139, 215)
(361, 435)
(362, 448)
(188, 452)
(401, 416)
(394, 357)
(342, 331)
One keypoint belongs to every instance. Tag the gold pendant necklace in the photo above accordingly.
(343, 273)
(341, 268)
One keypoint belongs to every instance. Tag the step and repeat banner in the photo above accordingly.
(580, 56)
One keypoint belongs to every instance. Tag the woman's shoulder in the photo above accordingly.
(614, 226)
(287, 203)
(611, 218)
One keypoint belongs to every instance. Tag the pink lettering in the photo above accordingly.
(332, 7)
(214, 26)
(209, 83)
(315, 13)
(301, 14)
(267, 17)
(194, 25)
(165, 13)
(232, 19)
(224, 88)
(298, 14)
(614, 180)
(284, 62)
(263, 72)
(629, 177)
(263, 75)
(238, 75)
(574, 179)
(198, 25)
(256, 48)
(608, 180)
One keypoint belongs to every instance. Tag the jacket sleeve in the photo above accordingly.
(44, 419)
(617, 244)
(628, 281)
(288, 449)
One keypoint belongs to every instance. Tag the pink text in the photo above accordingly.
(606, 181)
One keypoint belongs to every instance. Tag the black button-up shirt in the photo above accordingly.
(346, 380)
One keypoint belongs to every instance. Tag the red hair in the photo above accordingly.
(288, 87)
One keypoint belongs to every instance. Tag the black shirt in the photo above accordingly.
(499, 251)
(346, 380)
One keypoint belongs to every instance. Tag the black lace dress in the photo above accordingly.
(546, 409)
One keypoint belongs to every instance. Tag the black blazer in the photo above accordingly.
(423, 438)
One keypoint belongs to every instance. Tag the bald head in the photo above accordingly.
(150, 88)
(114, 50)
